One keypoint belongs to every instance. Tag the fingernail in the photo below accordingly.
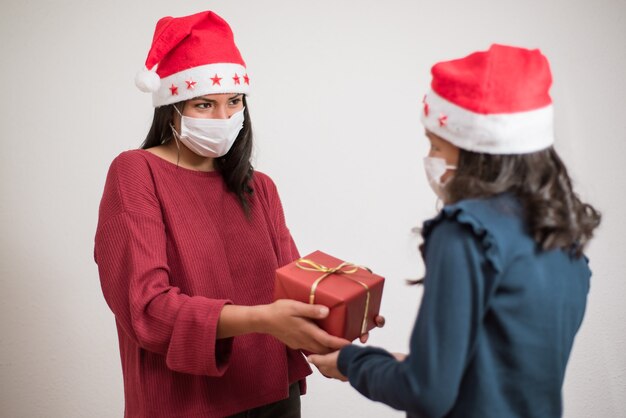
(323, 311)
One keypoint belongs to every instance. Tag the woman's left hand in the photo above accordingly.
(380, 322)
(327, 365)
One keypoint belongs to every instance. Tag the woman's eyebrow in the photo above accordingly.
(205, 99)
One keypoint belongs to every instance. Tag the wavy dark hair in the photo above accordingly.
(235, 167)
(555, 215)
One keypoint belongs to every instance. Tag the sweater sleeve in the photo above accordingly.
(427, 381)
(285, 246)
(130, 250)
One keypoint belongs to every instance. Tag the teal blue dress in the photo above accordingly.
(495, 326)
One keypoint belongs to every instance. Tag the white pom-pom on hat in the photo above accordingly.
(147, 81)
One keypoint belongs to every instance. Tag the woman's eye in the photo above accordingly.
(235, 102)
(204, 105)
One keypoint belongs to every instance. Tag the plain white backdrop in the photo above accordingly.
(337, 87)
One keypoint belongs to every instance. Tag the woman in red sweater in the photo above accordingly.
(188, 239)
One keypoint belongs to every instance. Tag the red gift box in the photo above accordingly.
(352, 293)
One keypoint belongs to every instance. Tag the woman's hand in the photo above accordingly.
(292, 323)
(327, 365)
(380, 322)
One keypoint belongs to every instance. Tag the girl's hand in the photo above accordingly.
(292, 323)
(399, 356)
(380, 322)
(327, 365)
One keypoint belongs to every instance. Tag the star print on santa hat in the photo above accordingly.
(188, 58)
(443, 120)
(246, 79)
(216, 80)
(426, 108)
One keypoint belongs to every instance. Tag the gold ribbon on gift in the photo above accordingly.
(343, 268)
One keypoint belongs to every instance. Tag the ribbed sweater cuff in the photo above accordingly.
(194, 347)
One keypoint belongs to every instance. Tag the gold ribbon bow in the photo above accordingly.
(343, 268)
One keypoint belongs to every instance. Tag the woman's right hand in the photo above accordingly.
(292, 323)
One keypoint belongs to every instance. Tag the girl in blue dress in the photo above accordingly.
(506, 280)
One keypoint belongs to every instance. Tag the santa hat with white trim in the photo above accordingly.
(192, 56)
(493, 101)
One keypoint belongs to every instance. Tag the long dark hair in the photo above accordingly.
(555, 215)
(235, 166)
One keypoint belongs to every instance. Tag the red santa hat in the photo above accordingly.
(493, 102)
(192, 56)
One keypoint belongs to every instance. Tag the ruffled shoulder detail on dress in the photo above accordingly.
(462, 214)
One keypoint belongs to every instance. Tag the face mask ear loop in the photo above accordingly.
(440, 202)
(438, 205)
(176, 134)
(177, 146)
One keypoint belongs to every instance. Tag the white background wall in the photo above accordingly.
(337, 91)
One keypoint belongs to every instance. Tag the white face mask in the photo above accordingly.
(209, 137)
(435, 168)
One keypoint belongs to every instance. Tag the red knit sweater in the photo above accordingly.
(172, 247)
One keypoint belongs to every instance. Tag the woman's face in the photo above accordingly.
(211, 106)
(441, 148)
